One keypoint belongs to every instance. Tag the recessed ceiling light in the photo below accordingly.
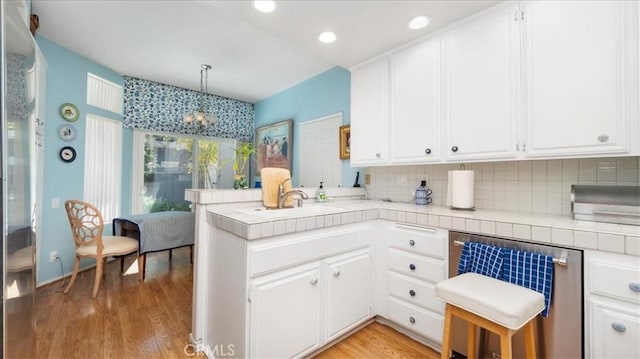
(418, 22)
(264, 5)
(327, 37)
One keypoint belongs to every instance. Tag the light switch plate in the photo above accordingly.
(55, 202)
(367, 179)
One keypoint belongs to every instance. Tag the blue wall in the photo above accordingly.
(67, 82)
(321, 95)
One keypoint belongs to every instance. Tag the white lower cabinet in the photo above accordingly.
(285, 313)
(349, 293)
(612, 295)
(415, 262)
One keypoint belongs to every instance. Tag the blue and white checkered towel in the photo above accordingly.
(530, 270)
(482, 259)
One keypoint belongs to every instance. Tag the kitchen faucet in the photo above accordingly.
(282, 195)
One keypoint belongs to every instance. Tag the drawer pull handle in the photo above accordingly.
(618, 327)
(336, 273)
(412, 243)
(635, 287)
(412, 293)
(314, 281)
(412, 320)
(412, 266)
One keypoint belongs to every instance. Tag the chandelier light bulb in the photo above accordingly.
(200, 117)
(188, 119)
(264, 6)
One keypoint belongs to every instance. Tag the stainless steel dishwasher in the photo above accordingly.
(561, 334)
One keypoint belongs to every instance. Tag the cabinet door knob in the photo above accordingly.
(412, 266)
(412, 320)
(336, 273)
(378, 154)
(314, 281)
(412, 242)
(427, 151)
(618, 327)
(603, 138)
(454, 149)
(412, 293)
(634, 286)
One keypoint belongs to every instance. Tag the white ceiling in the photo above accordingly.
(254, 55)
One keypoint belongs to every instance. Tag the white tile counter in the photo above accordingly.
(563, 231)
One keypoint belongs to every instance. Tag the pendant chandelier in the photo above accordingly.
(201, 118)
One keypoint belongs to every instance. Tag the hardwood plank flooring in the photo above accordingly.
(152, 319)
(128, 319)
(378, 341)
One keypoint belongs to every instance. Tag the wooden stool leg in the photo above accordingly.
(471, 340)
(530, 340)
(170, 254)
(446, 333)
(505, 346)
(121, 264)
(141, 265)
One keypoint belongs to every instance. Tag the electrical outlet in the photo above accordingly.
(402, 180)
(53, 256)
(367, 179)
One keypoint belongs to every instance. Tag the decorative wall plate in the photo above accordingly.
(67, 132)
(67, 154)
(69, 112)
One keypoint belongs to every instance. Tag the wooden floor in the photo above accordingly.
(128, 319)
(377, 341)
(152, 319)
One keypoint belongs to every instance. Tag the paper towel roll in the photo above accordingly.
(449, 188)
(462, 189)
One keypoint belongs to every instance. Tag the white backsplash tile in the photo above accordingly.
(540, 186)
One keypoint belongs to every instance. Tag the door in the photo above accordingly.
(285, 313)
(320, 155)
(369, 113)
(480, 67)
(415, 105)
(349, 292)
(577, 78)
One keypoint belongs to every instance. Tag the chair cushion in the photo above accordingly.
(113, 246)
(504, 303)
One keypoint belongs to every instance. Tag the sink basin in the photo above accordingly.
(292, 212)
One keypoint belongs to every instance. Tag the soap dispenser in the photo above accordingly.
(423, 194)
(321, 195)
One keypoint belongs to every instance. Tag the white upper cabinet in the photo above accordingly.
(578, 79)
(481, 87)
(369, 113)
(415, 103)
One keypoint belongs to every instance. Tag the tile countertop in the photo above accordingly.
(254, 223)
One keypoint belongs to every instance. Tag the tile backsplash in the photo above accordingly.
(540, 186)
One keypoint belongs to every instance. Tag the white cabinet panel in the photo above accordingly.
(421, 321)
(370, 113)
(285, 314)
(415, 103)
(577, 77)
(614, 330)
(348, 293)
(481, 87)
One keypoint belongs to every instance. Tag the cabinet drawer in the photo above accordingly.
(416, 319)
(615, 280)
(270, 255)
(414, 291)
(615, 330)
(424, 240)
(417, 266)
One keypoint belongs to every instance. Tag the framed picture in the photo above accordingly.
(274, 145)
(345, 142)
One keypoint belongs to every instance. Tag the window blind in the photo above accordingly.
(103, 165)
(104, 94)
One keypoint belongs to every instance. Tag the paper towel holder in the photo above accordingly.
(462, 168)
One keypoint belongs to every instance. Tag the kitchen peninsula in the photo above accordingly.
(259, 274)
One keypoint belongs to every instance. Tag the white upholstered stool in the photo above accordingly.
(500, 307)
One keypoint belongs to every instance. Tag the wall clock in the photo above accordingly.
(67, 154)
(66, 132)
(69, 112)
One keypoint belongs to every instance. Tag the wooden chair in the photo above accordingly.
(86, 227)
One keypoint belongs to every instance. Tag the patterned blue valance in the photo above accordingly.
(158, 107)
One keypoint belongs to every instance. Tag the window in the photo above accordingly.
(102, 165)
(165, 166)
(104, 94)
